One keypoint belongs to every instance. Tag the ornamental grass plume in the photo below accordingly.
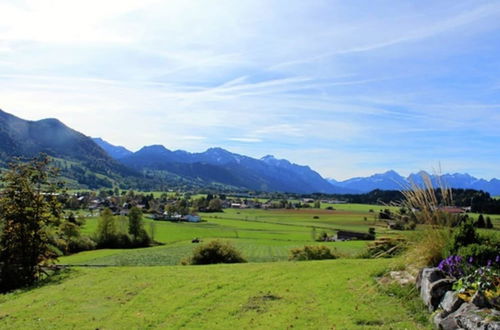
(427, 203)
(424, 202)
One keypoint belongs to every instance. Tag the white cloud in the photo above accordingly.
(323, 83)
(245, 139)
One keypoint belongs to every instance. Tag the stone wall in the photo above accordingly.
(451, 312)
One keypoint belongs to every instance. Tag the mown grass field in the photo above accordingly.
(261, 235)
(147, 288)
(336, 294)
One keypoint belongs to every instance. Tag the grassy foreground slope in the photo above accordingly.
(338, 294)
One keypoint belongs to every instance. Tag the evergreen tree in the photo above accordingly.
(489, 224)
(480, 222)
(28, 208)
(135, 226)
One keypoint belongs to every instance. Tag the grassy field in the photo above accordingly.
(337, 294)
(261, 235)
(146, 288)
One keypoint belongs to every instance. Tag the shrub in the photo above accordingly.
(320, 252)
(489, 224)
(81, 243)
(215, 252)
(323, 237)
(480, 223)
(463, 235)
(478, 254)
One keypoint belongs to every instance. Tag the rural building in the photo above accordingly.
(192, 218)
(452, 209)
(344, 235)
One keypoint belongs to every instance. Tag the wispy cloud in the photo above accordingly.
(245, 140)
(347, 91)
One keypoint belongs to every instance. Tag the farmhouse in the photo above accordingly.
(344, 235)
(452, 209)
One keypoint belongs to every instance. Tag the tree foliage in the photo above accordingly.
(28, 209)
(135, 225)
(107, 230)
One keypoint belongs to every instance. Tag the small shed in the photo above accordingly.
(193, 218)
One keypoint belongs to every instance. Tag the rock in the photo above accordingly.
(402, 277)
(451, 302)
(480, 300)
(433, 293)
(428, 275)
(438, 318)
(418, 280)
(448, 322)
(425, 279)
(469, 316)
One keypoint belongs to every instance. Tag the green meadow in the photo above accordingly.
(148, 288)
(336, 294)
(261, 235)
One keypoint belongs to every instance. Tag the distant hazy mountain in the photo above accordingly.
(115, 152)
(219, 165)
(391, 180)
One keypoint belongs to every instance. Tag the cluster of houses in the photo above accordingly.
(272, 204)
(98, 204)
(175, 217)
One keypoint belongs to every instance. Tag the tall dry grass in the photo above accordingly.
(421, 199)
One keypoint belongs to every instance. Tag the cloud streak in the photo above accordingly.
(344, 90)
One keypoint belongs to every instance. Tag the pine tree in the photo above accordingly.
(489, 224)
(135, 226)
(480, 222)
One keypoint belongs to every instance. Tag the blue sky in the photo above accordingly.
(347, 87)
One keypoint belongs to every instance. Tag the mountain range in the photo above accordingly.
(95, 163)
(391, 180)
(222, 166)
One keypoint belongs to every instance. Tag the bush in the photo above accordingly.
(489, 224)
(463, 235)
(480, 223)
(323, 237)
(81, 243)
(320, 252)
(215, 252)
(478, 254)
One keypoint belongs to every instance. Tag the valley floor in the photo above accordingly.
(334, 294)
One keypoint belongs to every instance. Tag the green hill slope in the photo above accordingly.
(338, 294)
